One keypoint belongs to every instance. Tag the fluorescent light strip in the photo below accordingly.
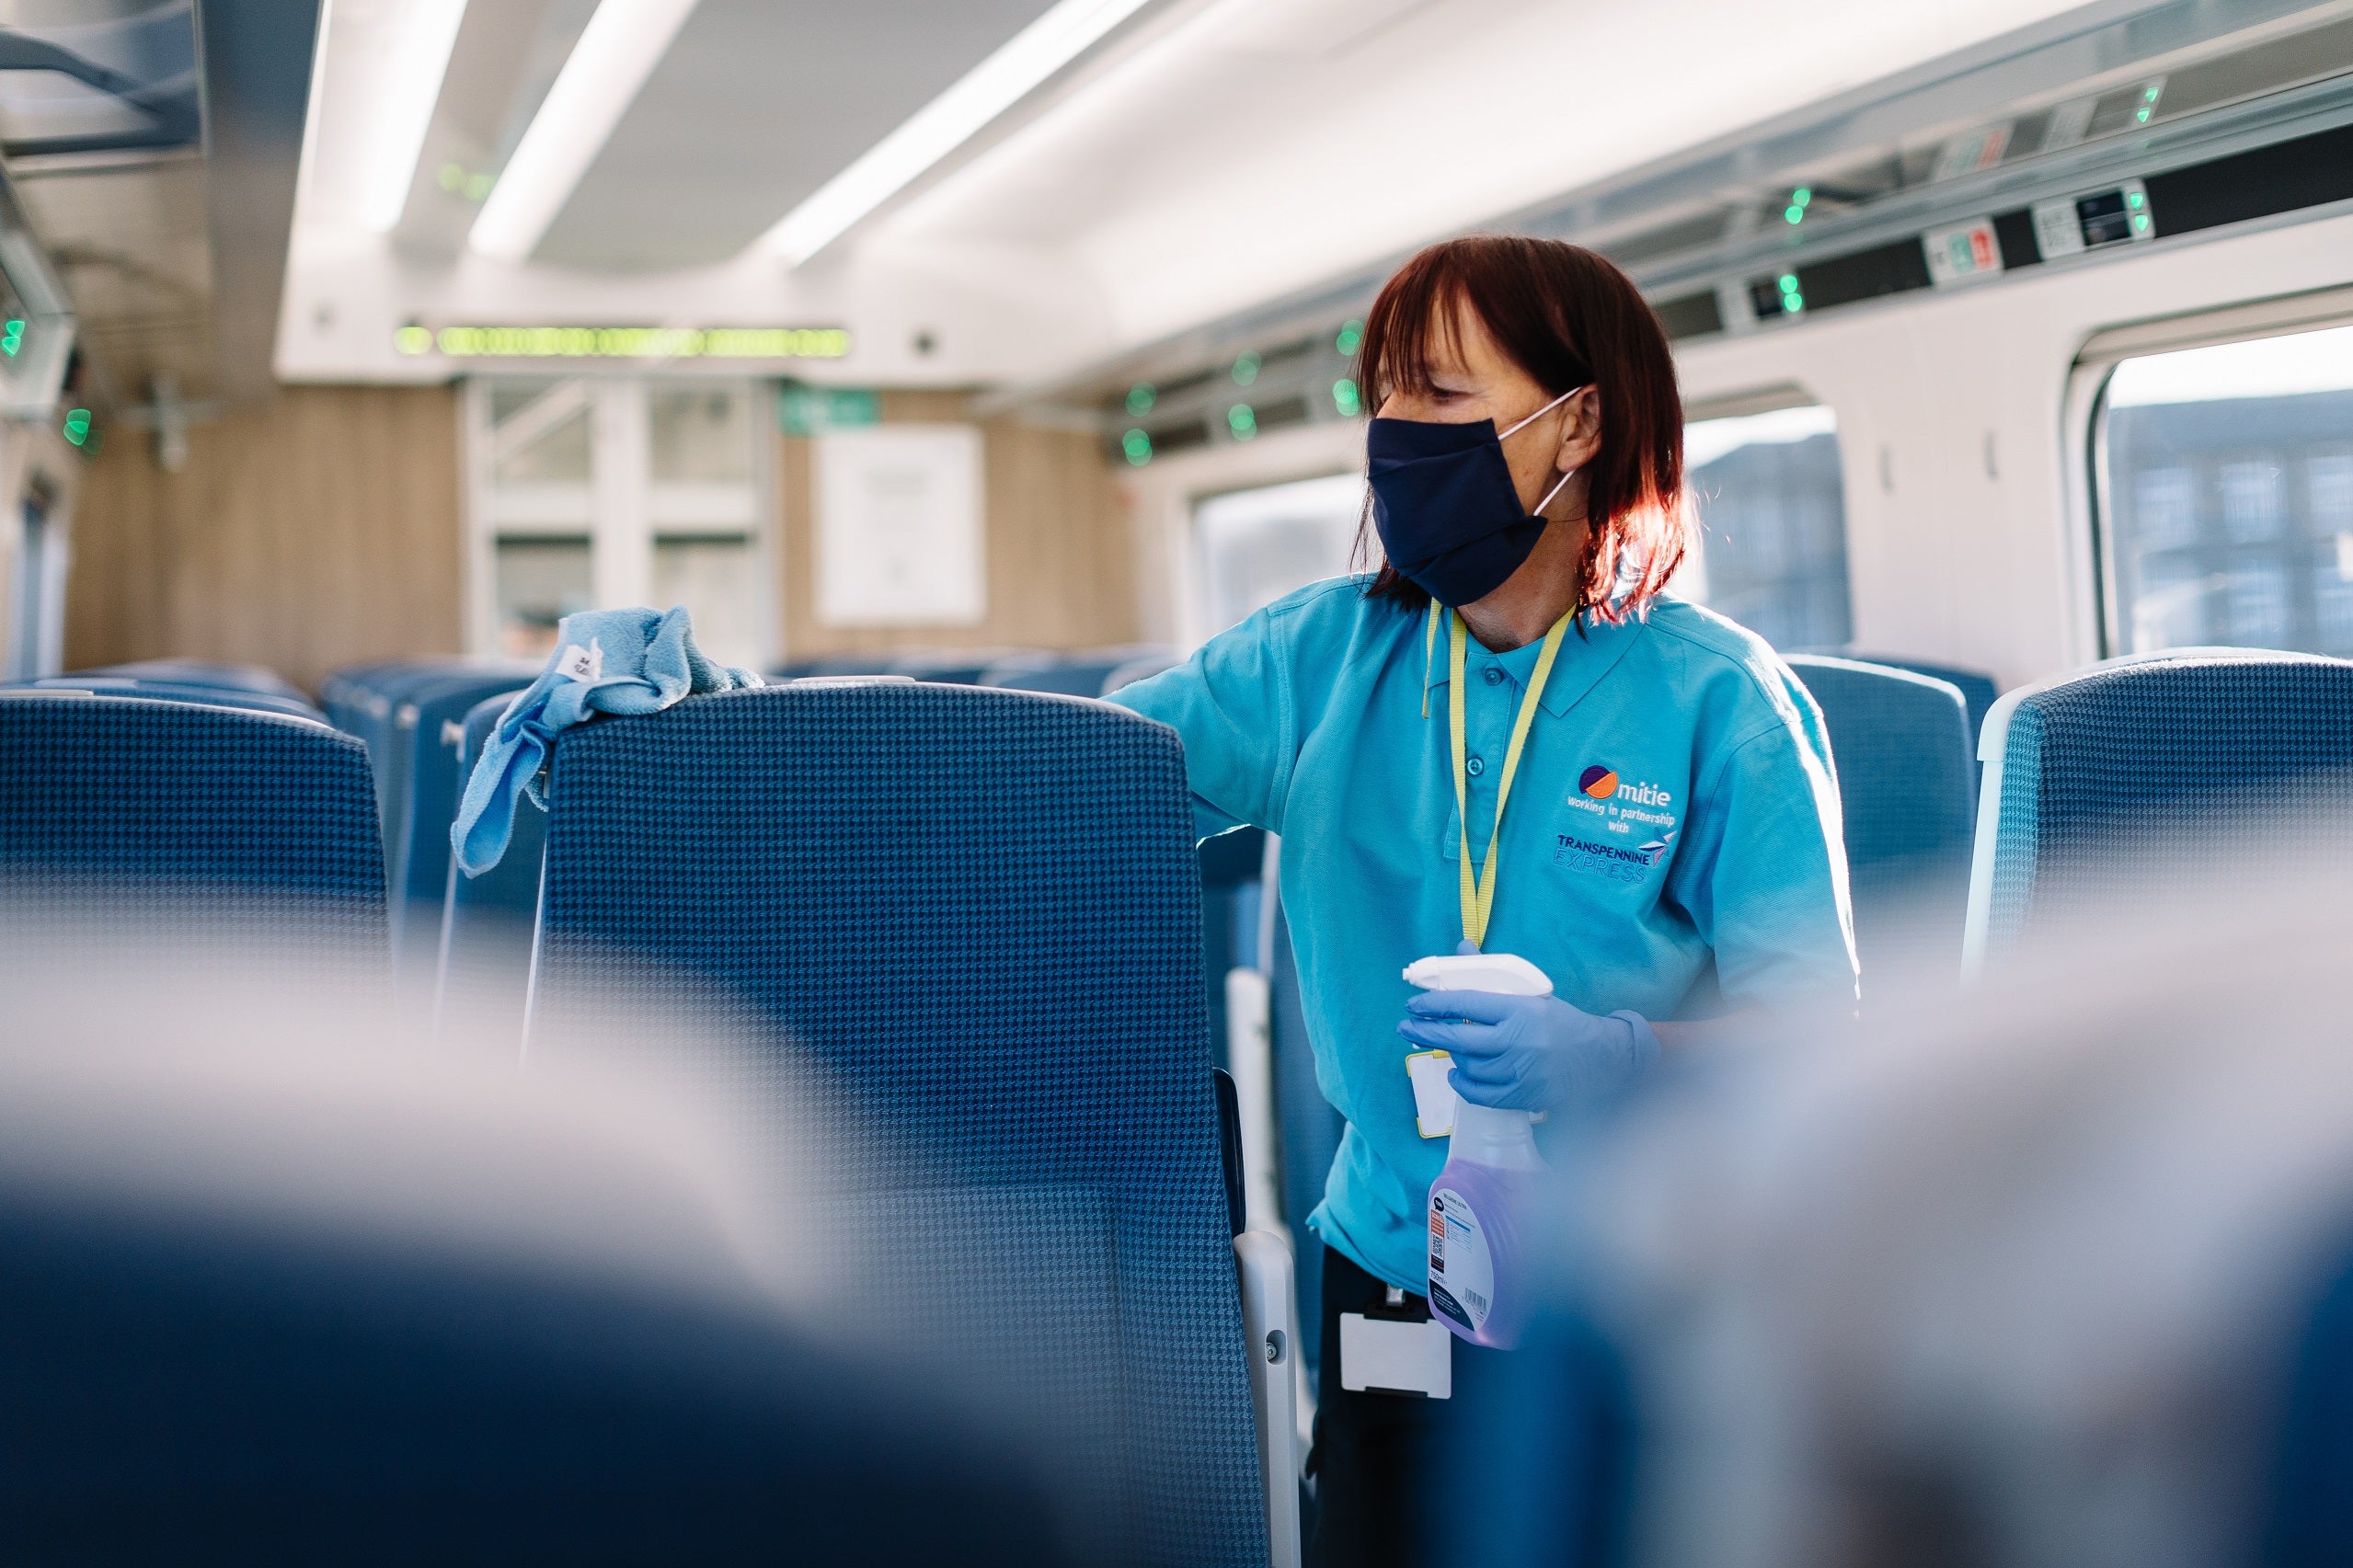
(945, 123)
(414, 66)
(617, 51)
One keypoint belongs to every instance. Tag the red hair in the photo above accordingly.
(1568, 318)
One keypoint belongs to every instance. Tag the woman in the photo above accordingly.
(1668, 840)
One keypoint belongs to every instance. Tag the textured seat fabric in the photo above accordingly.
(1976, 687)
(975, 913)
(112, 795)
(2176, 770)
(171, 692)
(206, 673)
(1308, 1129)
(1907, 782)
(485, 973)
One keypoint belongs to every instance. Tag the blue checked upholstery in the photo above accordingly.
(2155, 769)
(1231, 866)
(975, 915)
(110, 795)
(1977, 688)
(206, 672)
(486, 920)
(1907, 782)
(98, 683)
(1308, 1129)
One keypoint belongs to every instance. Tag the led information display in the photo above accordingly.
(625, 342)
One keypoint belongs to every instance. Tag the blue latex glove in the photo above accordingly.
(1529, 1053)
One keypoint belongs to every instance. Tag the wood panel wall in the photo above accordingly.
(320, 530)
(1060, 548)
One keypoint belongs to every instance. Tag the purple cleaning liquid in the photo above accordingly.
(1479, 1208)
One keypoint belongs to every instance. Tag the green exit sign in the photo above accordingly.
(810, 411)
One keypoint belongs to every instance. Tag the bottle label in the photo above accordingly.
(1461, 1271)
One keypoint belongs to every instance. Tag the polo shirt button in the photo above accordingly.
(1475, 767)
(1494, 676)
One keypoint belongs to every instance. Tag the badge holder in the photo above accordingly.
(1387, 1350)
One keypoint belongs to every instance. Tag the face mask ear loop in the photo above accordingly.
(1428, 656)
(1556, 490)
(1540, 413)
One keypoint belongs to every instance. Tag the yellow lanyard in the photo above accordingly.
(1478, 891)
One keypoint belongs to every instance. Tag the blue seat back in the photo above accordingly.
(1071, 676)
(976, 913)
(1907, 781)
(173, 692)
(100, 795)
(2309, 1513)
(1308, 1130)
(486, 920)
(2128, 771)
(365, 701)
(429, 734)
(1976, 687)
(206, 673)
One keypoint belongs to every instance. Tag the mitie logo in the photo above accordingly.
(1603, 784)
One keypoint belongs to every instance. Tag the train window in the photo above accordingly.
(1771, 499)
(618, 491)
(2226, 495)
(1257, 546)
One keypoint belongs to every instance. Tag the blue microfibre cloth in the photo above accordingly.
(611, 661)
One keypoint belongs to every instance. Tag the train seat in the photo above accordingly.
(158, 690)
(1081, 673)
(365, 701)
(976, 913)
(426, 736)
(1906, 780)
(512, 1331)
(1137, 669)
(118, 795)
(2097, 784)
(483, 975)
(1308, 1134)
(206, 673)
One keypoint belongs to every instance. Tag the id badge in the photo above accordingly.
(1433, 1096)
(1383, 1355)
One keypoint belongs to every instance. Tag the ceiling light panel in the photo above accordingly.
(419, 58)
(988, 90)
(617, 51)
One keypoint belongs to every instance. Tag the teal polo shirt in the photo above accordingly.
(1673, 833)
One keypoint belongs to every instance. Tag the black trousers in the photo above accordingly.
(1378, 1458)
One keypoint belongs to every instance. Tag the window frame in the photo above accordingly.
(1773, 398)
(624, 501)
(2092, 555)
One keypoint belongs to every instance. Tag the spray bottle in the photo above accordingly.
(1480, 1205)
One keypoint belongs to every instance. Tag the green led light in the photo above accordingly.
(1794, 214)
(1803, 194)
(1243, 421)
(450, 178)
(77, 425)
(2135, 200)
(1246, 367)
(2152, 94)
(1789, 283)
(1351, 335)
(1345, 398)
(12, 337)
(2140, 223)
(1140, 397)
(413, 339)
(1793, 304)
(478, 187)
(1137, 446)
(2141, 119)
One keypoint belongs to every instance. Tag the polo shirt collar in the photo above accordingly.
(1583, 660)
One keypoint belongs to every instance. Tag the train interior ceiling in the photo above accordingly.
(350, 350)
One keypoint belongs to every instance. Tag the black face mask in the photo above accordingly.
(1445, 507)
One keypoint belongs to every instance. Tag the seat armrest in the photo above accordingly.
(1262, 1261)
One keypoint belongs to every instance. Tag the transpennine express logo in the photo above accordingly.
(1599, 782)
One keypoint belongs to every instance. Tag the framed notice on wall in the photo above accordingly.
(899, 527)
